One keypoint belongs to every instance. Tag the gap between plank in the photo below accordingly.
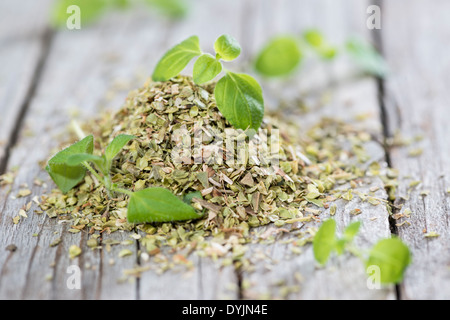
(378, 42)
(46, 40)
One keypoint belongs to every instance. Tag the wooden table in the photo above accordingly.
(45, 74)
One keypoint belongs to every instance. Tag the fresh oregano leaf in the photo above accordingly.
(191, 195)
(349, 234)
(100, 162)
(206, 68)
(79, 158)
(172, 8)
(392, 257)
(240, 100)
(121, 4)
(158, 205)
(367, 57)
(279, 57)
(176, 59)
(318, 43)
(324, 241)
(64, 175)
(227, 47)
(116, 145)
(351, 230)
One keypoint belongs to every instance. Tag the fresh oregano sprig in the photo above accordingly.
(238, 96)
(390, 255)
(68, 168)
(282, 55)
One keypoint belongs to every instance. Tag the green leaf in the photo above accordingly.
(64, 175)
(240, 100)
(90, 10)
(116, 145)
(352, 230)
(191, 195)
(314, 38)
(317, 41)
(279, 57)
(367, 57)
(227, 47)
(171, 8)
(121, 4)
(349, 234)
(176, 59)
(206, 68)
(324, 241)
(392, 257)
(79, 158)
(158, 205)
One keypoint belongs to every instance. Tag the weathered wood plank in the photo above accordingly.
(23, 40)
(82, 67)
(298, 276)
(207, 279)
(276, 271)
(416, 101)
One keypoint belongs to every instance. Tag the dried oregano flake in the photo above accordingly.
(287, 188)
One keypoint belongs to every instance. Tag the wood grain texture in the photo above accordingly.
(92, 69)
(23, 41)
(208, 279)
(82, 70)
(275, 271)
(417, 101)
(283, 274)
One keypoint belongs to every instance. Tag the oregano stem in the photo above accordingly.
(127, 192)
(88, 166)
(356, 252)
(78, 131)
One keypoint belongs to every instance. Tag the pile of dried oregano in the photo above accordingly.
(185, 145)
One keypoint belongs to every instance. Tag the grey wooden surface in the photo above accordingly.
(46, 74)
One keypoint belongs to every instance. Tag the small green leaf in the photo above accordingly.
(64, 175)
(116, 145)
(206, 68)
(171, 8)
(367, 57)
(191, 195)
(158, 205)
(314, 38)
(324, 241)
(349, 234)
(392, 257)
(227, 47)
(121, 4)
(79, 158)
(240, 100)
(176, 59)
(352, 230)
(279, 57)
(317, 42)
